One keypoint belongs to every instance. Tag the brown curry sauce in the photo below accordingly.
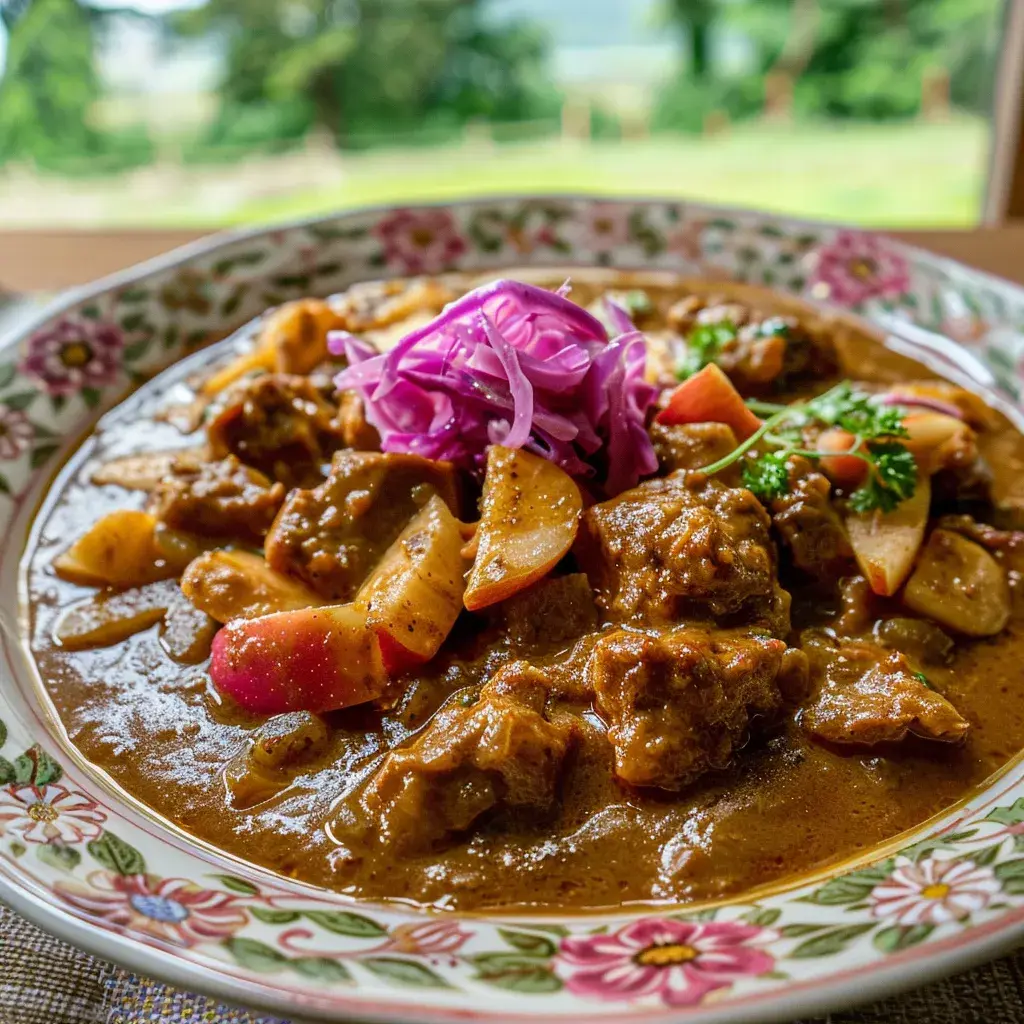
(786, 805)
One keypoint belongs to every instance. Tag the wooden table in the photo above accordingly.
(48, 260)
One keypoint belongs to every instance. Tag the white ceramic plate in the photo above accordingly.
(83, 861)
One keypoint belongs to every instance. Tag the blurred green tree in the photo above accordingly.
(367, 70)
(866, 59)
(49, 84)
(694, 19)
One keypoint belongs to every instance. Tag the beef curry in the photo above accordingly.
(506, 596)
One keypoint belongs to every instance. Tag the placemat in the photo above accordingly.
(45, 981)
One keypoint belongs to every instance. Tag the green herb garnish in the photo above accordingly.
(892, 478)
(923, 679)
(703, 344)
(892, 470)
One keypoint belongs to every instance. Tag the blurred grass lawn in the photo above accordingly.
(880, 175)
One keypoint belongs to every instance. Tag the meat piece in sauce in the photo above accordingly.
(500, 751)
(962, 479)
(682, 547)
(691, 445)
(870, 695)
(550, 614)
(281, 424)
(809, 526)
(333, 535)
(995, 539)
(918, 638)
(757, 351)
(681, 704)
(356, 431)
(223, 498)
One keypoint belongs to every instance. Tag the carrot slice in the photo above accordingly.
(846, 471)
(709, 397)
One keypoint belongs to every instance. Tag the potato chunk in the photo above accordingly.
(958, 584)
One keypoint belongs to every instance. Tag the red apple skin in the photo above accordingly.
(312, 659)
(397, 659)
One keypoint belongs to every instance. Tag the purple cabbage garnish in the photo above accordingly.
(512, 364)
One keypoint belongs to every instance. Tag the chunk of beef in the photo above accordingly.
(756, 349)
(681, 704)
(993, 538)
(333, 535)
(809, 526)
(499, 752)
(961, 477)
(859, 606)
(282, 425)
(918, 638)
(217, 499)
(682, 547)
(553, 612)
(869, 695)
(691, 445)
(356, 431)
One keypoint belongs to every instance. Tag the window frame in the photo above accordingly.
(1004, 195)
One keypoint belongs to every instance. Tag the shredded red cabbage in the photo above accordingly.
(512, 364)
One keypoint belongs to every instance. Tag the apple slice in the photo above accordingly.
(710, 397)
(886, 544)
(240, 585)
(530, 514)
(311, 659)
(414, 595)
(119, 550)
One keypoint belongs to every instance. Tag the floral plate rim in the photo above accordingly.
(942, 903)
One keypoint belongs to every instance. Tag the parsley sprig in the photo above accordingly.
(892, 469)
(703, 344)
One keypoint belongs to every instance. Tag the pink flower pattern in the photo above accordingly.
(16, 433)
(855, 267)
(171, 909)
(687, 240)
(933, 891)
(422, 242)
(676, 962)
(50, 814)
(607, 226)
(74, 354)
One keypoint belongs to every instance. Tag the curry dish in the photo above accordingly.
(491, 594)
